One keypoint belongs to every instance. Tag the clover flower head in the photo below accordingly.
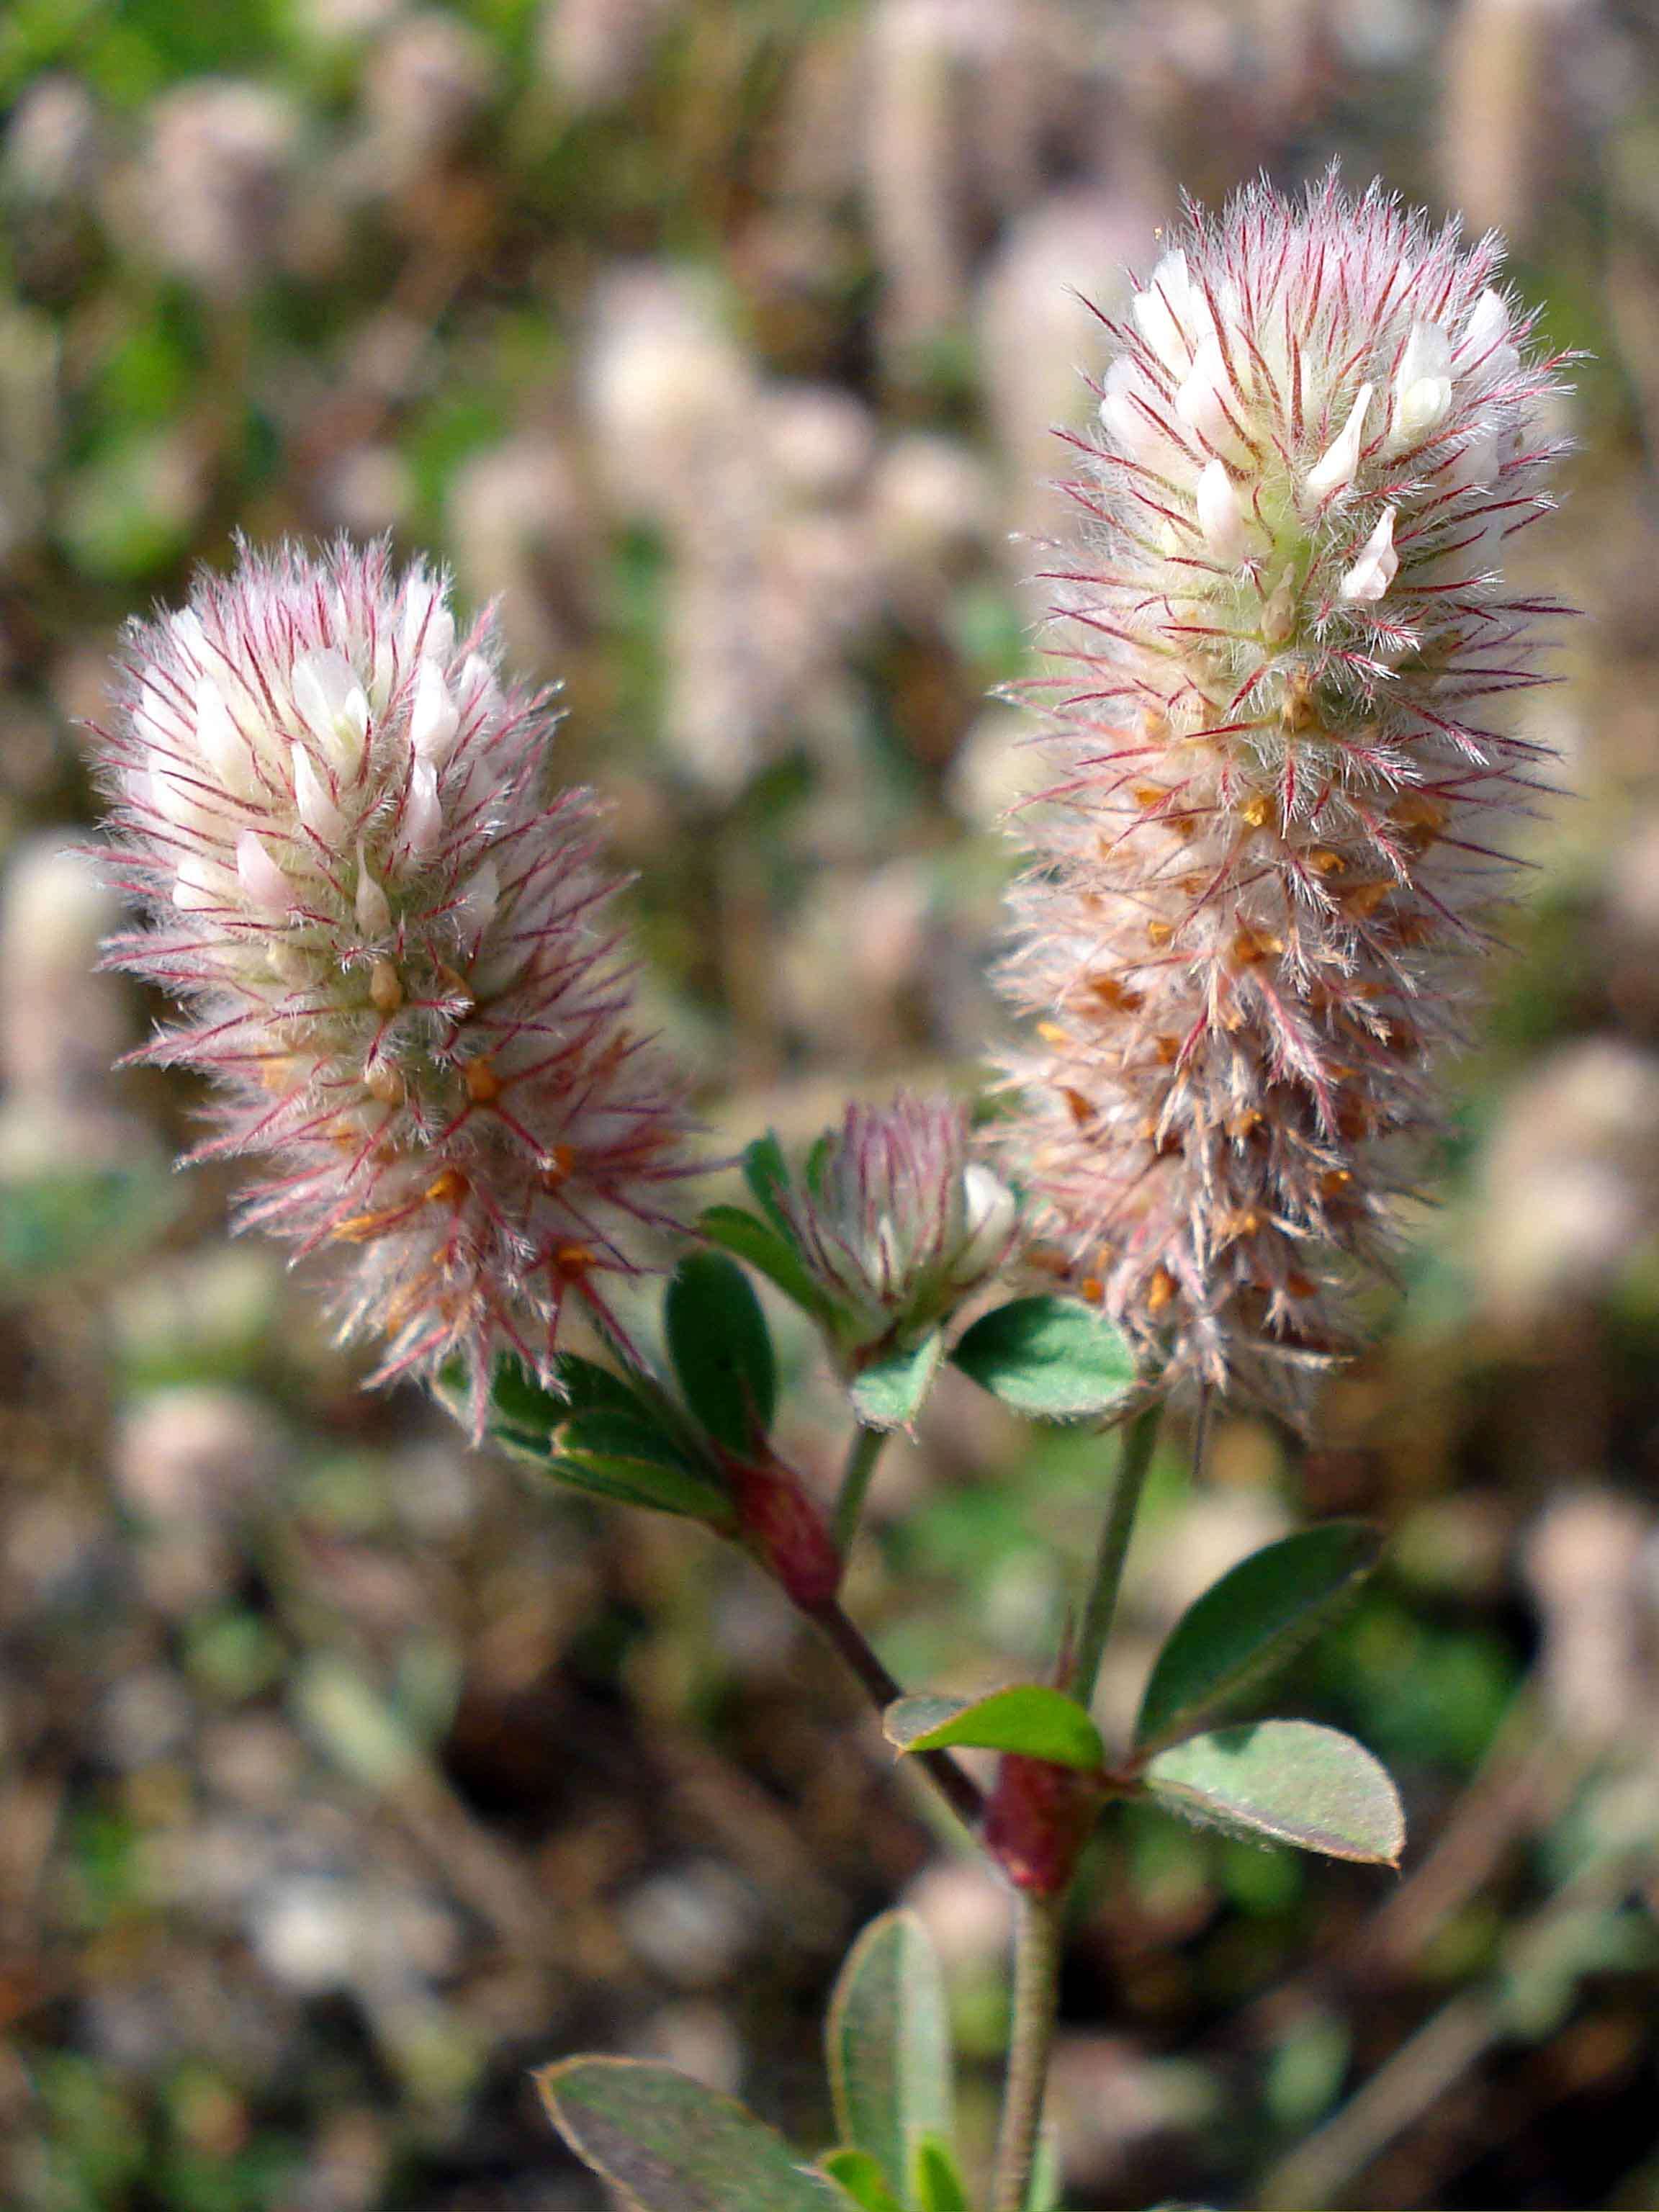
(897, 1224)
(1285, 768)
(391, 952)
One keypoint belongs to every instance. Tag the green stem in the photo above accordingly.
(861, 1456)
(1037, 1931)
(1132, 1461)
(1037, 1994)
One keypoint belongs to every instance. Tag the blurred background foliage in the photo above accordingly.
(342, 1777)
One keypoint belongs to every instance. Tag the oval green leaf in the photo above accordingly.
(1233, 1638)
(669, 2145)
(721, 1349)
(888, 2043)
(1290, 1781)
(1029, 1718)
(520, 1401)
(766, 1171)
(889, 1392)
(1051, 1358)
(609, 1453)
(766, 1250)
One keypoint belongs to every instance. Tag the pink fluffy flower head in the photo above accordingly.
(1285, 770)
(391, 949)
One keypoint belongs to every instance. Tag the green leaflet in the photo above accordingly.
(767, 1250)
(1029, 1718)
(860, 2175)
(888, 2039)
(669, 2145)
(605, 1438)
(889, 1392)
(1051, 1358)
(721, 1349)
(1236, 1637)
(1287, 1782)
(936, 2185)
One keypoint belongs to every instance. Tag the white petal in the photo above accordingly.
(989, 1211)
(333, 706)
(174, 793)
(266, 886)
(156, 719)
(1488, 324)
(1426, 352)
(1374, 571)
(477, 689)
(1119, 413)
(217, 739)
(199, 885)
(1477, 464)
(1422, 385)
(1221, 516)
(1208, 400)
(1334, 470)
(1172, 313)
(374, 908)
(434, 717)
(422, 816)
(1420, 408)
(429, 628)
(186, 627)
(313, 799)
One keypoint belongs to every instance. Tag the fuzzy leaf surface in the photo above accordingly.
(669, 2145)
(888, 2044)
(1051, 1358)
(889, 1392)
(1029, 1718)
(721, 1349)
(1290, 1782)
(1233, 1638)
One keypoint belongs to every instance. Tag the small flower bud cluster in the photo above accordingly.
(1284, 768)
(391, 949)
(895, 1224)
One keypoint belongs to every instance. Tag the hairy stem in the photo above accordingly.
(861, 1456)
(1037, 1994)
(1133, 1459)
(959, 1790)
(1037, 1940)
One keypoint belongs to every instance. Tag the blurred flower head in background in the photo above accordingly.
(393, 950)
